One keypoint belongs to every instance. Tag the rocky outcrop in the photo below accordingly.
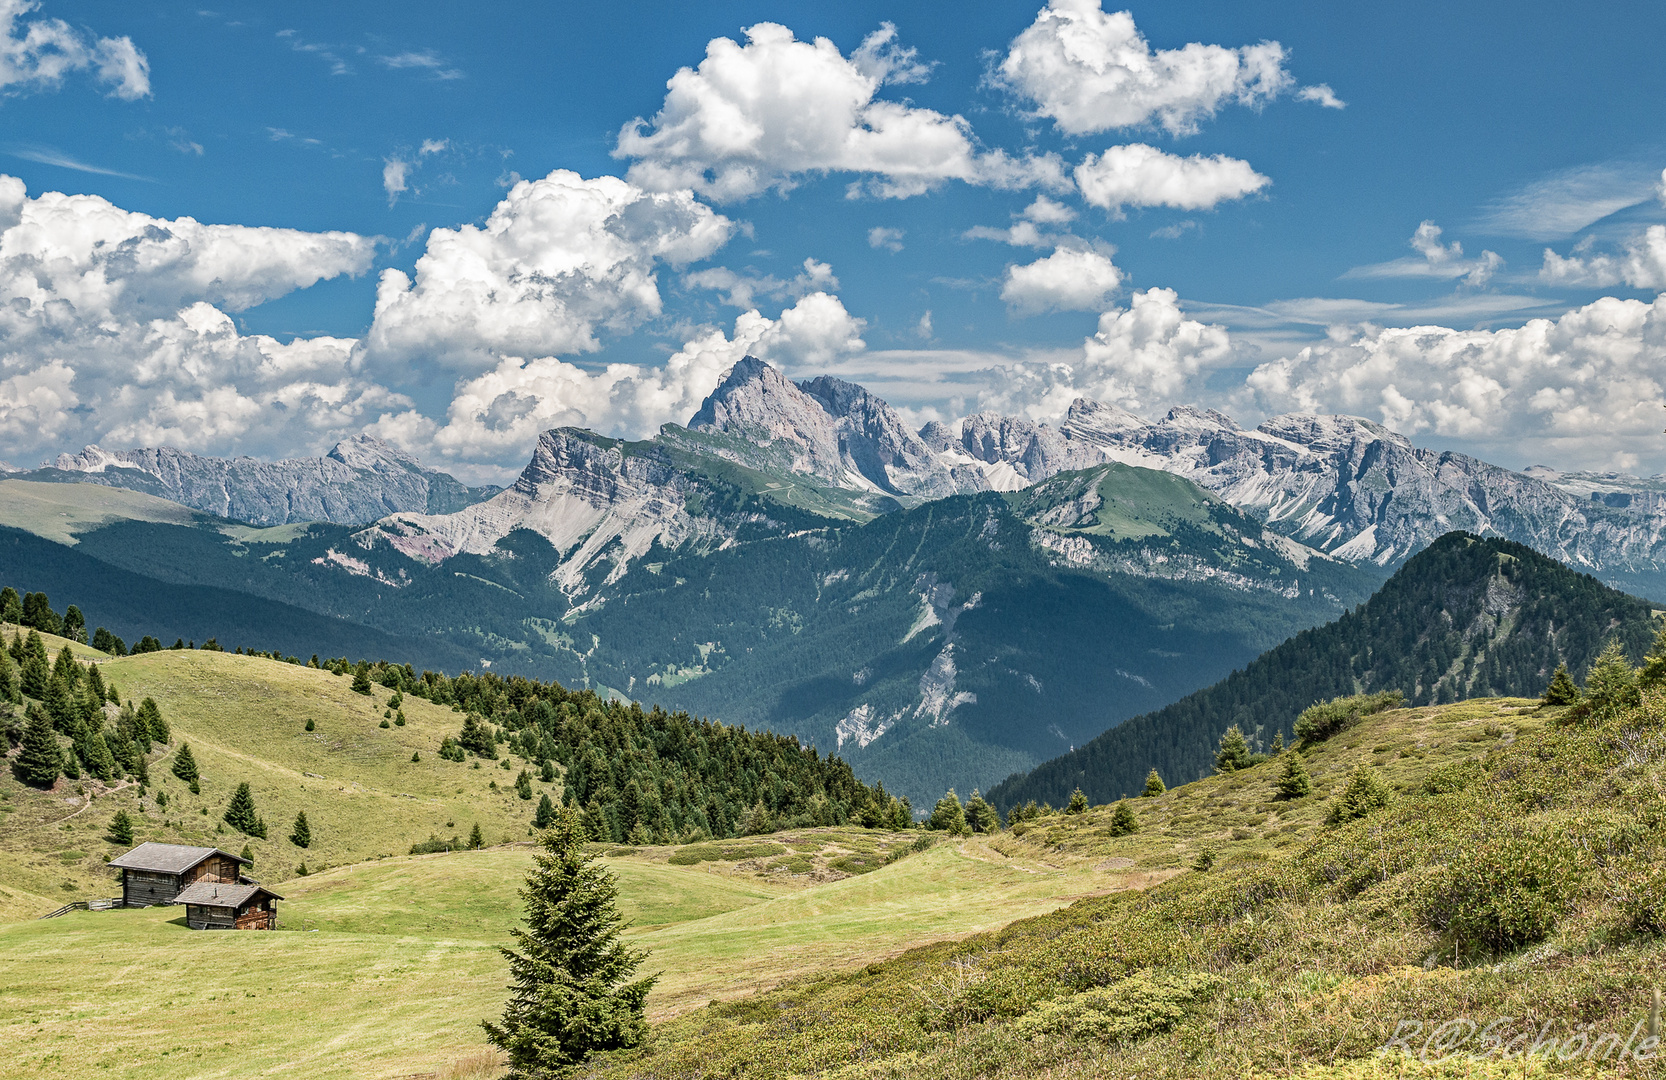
(360, 480)
(829, 429)
(593, 500)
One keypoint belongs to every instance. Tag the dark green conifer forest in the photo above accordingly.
(1467, 617)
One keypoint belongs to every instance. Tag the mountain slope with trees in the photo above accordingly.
(1466, 617)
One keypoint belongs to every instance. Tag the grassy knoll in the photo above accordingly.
(245, 719)
(60, 512)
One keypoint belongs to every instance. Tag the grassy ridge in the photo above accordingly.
(245, 719)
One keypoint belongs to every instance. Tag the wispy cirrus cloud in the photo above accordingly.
(422, 60)
(46, 155)
(1559, 205)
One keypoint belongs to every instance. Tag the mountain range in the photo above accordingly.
(940, 606)
(360, 480)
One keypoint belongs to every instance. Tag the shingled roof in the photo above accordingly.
(208, 892)
(168, 858)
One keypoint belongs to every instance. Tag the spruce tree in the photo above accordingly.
(301, 834)
(66, 668)
(361, 681)
(8, 679)
(980, 815)
(1564, 691)
(40, 761)
(240, 813)
(571, 993)
(477, 839)
(1123, 821)
(1611, 683)
(248, 854)
(1154, 785)
(121, 829)
(1295, 783)
(546, 774)
(95, 754)
(35, 676)
(1234, 751)
(185, 764)
(158, 727)
(948, 815)
(523, 785)
(1078, 803)
(75, 624)
(11, 606)
(60, 706)
(544, 816)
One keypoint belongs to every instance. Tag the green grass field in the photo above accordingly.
(388, 962)
(386, 968)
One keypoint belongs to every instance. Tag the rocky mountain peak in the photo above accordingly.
(370, 453)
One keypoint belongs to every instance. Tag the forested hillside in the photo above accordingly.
(1467, 617)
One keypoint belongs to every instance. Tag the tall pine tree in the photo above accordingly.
(301, 835)
(185, 766)
(240, 813)
(572, 992)
(41, 760)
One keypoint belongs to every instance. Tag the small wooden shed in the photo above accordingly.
(212, 906)
(155, 873)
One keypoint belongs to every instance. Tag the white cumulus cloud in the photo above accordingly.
(1585, 389)
(1070, 279)
(760, 116)
(1641, 265)
(496, 415)
(1089, 71)
(114, 327)
(36, 54)
(558, 260)
(1141, 175)
(1143, 357)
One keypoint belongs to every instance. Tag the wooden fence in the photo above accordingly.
(86, 905)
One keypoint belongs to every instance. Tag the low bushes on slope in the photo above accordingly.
(1529, 891)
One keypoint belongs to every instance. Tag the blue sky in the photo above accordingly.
(1276, 278)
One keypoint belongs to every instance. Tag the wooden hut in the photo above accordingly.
(212, 906)
(156, 873)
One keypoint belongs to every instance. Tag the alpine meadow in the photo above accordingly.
(836, 542)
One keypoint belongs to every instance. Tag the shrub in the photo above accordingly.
(1453, 776)
(1129, 1009)
(1321, 720)
(1505, 891)
(433, 845)
(1154, 785)
(1365, 794)
(1078, 803)
(966, 995)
